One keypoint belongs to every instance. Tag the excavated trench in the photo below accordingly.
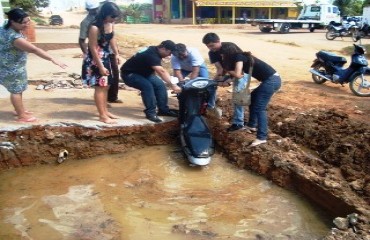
(321, 154)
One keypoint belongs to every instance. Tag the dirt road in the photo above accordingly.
(291, 54)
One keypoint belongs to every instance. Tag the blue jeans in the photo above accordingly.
(203, 72)
(153, 92)
(238, 117)
(260, 98)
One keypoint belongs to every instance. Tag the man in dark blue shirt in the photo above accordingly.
(140, 72)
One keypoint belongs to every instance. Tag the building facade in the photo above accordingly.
(222, 11)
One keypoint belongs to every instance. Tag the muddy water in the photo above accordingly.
(149, 194)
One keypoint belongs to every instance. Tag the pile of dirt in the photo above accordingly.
(321, 153)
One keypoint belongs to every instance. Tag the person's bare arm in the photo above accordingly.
(26, 46)
(178, 74)
(114, 46)
(195, 72)
(219, 69)
(238, 71)
(83, 45)
(165, 76)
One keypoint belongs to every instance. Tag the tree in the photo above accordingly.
(343, 6)
(29, 5)
(137, 10)
(26, 5)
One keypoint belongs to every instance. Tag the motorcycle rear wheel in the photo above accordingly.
(356, 35)
(330, 34)
(360, 85)
(320, 68)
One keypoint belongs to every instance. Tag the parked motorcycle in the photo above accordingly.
(195, 136)
(344, 29)
(330, 67)
(361, 32)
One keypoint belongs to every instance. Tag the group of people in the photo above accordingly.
(143, 71)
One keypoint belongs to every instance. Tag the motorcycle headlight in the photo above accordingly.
(199, 84)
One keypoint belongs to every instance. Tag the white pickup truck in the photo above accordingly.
(313, 16)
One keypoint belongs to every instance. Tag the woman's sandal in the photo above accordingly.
(27, 112)
(26, 120)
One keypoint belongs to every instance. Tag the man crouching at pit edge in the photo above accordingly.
(140, 72)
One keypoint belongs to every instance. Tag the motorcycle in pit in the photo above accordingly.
(344, 29)
(195, 136)
(330, 67)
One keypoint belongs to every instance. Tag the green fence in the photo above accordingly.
(142, 19)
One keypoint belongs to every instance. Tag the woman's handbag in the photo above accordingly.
(241, 92)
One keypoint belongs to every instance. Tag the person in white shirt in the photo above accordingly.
(187, 62)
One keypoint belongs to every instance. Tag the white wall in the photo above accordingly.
(366, 15)
(1, 15)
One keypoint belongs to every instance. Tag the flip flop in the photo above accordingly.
(27, 112)
(27, 120)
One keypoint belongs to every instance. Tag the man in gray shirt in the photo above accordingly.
(92, 7)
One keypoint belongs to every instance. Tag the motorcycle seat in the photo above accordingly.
(330, 57)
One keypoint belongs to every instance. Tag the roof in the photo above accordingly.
(245, 3)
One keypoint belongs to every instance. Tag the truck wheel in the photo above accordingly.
(312, 29)
(265, 29)
(284, 28)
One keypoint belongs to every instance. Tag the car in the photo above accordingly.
(56, 20)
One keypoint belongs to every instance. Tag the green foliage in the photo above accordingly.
(136, 10)
(349, 50)
(350, 7)
(355, 8)
(29, 5)
(366, 3)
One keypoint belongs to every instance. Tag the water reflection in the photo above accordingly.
(152, 194)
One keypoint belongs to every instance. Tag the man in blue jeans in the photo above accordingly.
(188, 62)
(140, 72)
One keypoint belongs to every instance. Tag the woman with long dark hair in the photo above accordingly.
(13, 50)
(97, 64)
(237, 64)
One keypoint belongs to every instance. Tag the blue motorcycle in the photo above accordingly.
(330, 67)
(195, 136)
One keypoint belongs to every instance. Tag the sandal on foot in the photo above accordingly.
(27, 112)
(27, 120)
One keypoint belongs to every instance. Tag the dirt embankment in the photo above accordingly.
(315, 153)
